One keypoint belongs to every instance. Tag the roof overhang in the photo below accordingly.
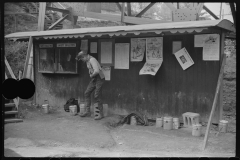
(173, 27)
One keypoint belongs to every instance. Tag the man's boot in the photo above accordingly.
(98, 113)
(87, 112)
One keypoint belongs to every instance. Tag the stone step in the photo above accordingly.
(13, 120)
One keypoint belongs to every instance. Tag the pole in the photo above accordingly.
(220, 17)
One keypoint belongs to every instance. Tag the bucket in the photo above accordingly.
(45, 106)
(73, 110)
(82, 108)
(196, 130)
(133, 121)
(159, 122)
(175, 123)
(168, 123)
(223, 126)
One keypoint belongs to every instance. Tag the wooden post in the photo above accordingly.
(123, 11)
(41, 16)
(9, 69)
(15, 22)
(129, 9)
(214, 102)
(27, 57)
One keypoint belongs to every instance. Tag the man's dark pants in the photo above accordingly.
(96, 84)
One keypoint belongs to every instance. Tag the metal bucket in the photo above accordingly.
(82, 108)
(73, 110)
(168, 123)
(223, 126)
(159, 122)
(133, 121)
(175, 123)
(196, 130)
(45, 107)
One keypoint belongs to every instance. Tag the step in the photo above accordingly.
(13, 120)
(9, 104)
(11, 112)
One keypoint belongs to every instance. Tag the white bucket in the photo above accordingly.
(159, 122)
(175, 123)
(73, 110)
(223, 126)
(82, 108)
(168, 123)
(45, 108)
(196, 130)
(133, 121)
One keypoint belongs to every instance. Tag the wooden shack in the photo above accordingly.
(171, 91)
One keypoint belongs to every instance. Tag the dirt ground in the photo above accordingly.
(59, 134)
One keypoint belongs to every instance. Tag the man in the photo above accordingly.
(96, 83)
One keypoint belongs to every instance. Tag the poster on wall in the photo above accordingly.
(150, 68)
(154, 56)
(84, 45)
(106, 52)
(176, 46)
(199, 40)
(107, 72)
(138, 48)
(121, 56)
(154, 49)
(184, 58)
(93, 47)
(211, 48)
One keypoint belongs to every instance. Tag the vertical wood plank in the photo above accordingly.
(122, 12)
(41, 16)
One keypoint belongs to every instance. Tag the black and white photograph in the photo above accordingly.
(88, 80)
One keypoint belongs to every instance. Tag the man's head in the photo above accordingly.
(82, 55)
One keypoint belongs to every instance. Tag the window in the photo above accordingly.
(58, 58)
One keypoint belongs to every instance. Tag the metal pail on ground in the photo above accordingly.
(45, 108)
(133, 121)
(196, 130)
(223, 126)
(175, 123)
(82, 108)
(168, 123)
(159, 122)
(73, 110)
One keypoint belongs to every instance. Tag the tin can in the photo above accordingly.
(159, 122)
(45, 107)
(175, 123)
(133, 121)
(168, 123)
(73, 110)
(223, 126)
(196, 130)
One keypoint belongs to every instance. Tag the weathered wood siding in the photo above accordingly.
(172, 91)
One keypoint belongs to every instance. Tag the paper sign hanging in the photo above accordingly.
(84, 45)
(184, 58)
(199, 40)
(154, 56)
(121, 56)
(138, 48)
(107, 72)
(211, 47)
(93, 47)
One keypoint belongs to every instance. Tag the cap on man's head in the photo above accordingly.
(82, 53)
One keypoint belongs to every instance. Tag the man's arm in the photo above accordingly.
(94, 64)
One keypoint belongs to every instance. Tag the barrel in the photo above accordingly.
(223, 126)
(175, 123)
(196, 130)
(82, 108)
(73, 110)
(168, 123)
(159, 122)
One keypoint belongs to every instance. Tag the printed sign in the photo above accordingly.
(66, 45)
(138, 48)
(184, 58)
(45, 45)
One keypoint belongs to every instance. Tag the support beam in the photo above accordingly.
(233, 12)
(120, 7)
(57, 9)
(214, 102)
(145, 9)
(9, 69)
(123, 11)
(131, 20)
(210, 12)
(41, 16)
(57, 22)
(27, 57)
(129, 9)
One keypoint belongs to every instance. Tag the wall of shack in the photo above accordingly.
(172, 91)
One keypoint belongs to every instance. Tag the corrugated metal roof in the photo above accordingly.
(98, 31)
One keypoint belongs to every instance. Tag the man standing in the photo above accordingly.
(96, 83)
